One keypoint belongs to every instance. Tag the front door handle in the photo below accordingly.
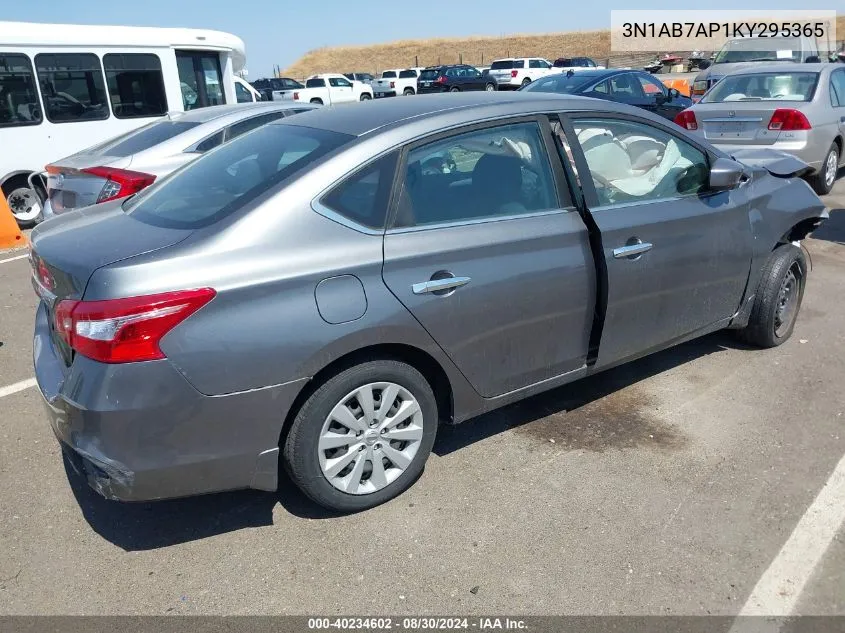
(631, 250)
(435, 285)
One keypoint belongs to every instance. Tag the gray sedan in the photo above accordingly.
(796, 108)
(321, 293)
(128, 163)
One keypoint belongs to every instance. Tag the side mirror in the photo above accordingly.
(704, 63)
(813, 59)
(660, 98)
(726, 174)
(674, 93)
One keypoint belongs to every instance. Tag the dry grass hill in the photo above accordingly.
(471, 50)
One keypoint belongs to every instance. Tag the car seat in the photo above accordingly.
(496, 186)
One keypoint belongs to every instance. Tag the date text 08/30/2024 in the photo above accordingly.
(417, 624)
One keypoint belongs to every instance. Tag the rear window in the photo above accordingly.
(428, 75)
(405, 74)
(224, 180)
(562, 83)
(143, 138)
(506, 64)
(388, 74)
(315, 83)
(563, 62)
(799, 86)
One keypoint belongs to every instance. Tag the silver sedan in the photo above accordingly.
(124, 165)
(796, 108)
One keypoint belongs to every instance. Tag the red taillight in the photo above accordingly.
(514, 73)
(119, 182)
(686, 119)
(392, 84)
(296, 96)
(440, 80)
(787, 119)
(125, 330)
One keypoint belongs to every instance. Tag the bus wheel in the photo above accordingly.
(24, 203)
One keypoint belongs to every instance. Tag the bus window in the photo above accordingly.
(18, 97)
(136, 84)
(201, 79)
(72, 87)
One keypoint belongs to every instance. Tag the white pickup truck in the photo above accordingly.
(397, 82)
(327, 89)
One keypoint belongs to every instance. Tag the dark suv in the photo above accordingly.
(454, 78)
(267, 86)
(575, 62)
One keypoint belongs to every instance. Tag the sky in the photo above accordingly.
(279, 32)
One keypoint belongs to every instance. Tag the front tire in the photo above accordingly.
(363, 436)
(822, 182)
(408, 92)
(490, 87)
(778, 298)
(317, 101)
(525, 82)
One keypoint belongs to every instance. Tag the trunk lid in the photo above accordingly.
(741, 122)
(67, 250)
(69, 187)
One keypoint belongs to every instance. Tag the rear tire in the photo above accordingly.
(823, 181)
(365, 96)
(24, 202)
(408, 92)
(319, 439)
(778, 298)
(525, 82)
(454, 89)
(317, 101)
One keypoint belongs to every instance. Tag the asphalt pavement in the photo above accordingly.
(672, 485)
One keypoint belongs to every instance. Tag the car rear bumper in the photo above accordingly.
(140, 431)
(805, 150)
(387, 93)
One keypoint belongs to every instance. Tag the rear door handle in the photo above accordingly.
(433, 285)
(631, 250)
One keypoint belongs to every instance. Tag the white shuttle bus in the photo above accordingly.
(65, 87)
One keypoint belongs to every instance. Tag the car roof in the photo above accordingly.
(603, 72)
(238, 110)
(786, 67)
(457, 108)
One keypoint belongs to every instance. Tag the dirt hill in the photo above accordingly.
(471, 50)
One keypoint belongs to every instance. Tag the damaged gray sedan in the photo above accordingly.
(321, 293)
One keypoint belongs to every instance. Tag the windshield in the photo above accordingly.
(405, 74)
(799, 86)
(225, 179)
(428, 75)
(506, 64)
(315, 83)
(755, 49)
(563, 83)
(142, 138)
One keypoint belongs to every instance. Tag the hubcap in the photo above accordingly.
(489, 88)
(830, 168)
(24, 204)
(787, 303)
(370, 438)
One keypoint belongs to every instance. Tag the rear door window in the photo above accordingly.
(407, 74)
(72, 87)
(247, 125)
(363, 197)
(223, 181)
(136, 85)
(18, 96)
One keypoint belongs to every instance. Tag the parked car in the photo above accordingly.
(366, 78)
(796, 108)
(397, 82)
(267, 86)
(746, 52)
(327, 89)
(633, 87)
(455, 78)
(513, 72)
(563, 64)
(125, 165)
(309, 296)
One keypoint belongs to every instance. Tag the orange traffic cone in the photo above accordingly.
(10, 234)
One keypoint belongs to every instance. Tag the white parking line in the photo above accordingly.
(18, 386)
(778, 590)
(11, 259)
